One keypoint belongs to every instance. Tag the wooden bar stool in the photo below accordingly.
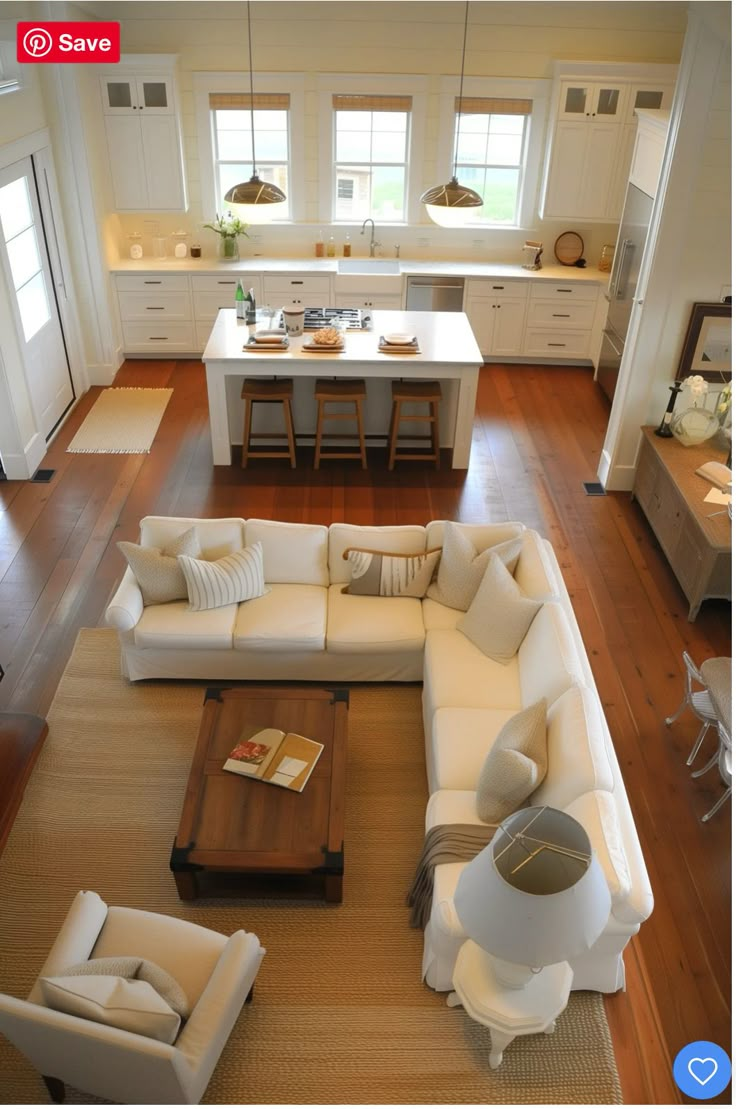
(279, 391)
(415, 392)
(328, 392)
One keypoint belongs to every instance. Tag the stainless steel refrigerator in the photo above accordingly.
(632, 235)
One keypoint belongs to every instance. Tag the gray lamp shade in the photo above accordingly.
(536, 895)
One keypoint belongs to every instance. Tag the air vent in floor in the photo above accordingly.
(594, 489)
(43, 476)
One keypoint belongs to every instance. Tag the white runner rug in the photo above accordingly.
(121, 421)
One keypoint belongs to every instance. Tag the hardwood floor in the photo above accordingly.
(537, 437)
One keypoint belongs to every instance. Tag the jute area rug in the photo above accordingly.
(121, 421)
(340, 1014)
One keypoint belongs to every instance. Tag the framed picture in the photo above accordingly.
(707, 347)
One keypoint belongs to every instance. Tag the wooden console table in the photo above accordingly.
(697, 545)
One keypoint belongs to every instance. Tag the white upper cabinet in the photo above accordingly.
(591, 140)
(143, 142)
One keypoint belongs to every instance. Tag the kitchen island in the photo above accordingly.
(447, 353)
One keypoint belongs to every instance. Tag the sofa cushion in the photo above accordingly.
(451, 806)
(457, 673)
(288, 618)
(363, 624)
(293, 554)
(462, 567)
(459, 743)
(576, 750)
(436, 615)
(535, 573)
(500, 614)
(515, 764)
(229, 580)
(159, 575)
(375, 574)
(216, 537)
(404, 539)
(548, 661)
(106, 999)
(174, 626)
(597, 813)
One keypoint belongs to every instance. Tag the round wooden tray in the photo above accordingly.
(569, 248)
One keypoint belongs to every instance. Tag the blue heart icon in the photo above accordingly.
(702, 1070)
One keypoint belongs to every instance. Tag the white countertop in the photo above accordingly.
(407, 267)
(443, 337)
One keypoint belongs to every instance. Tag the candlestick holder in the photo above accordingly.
(664, 430)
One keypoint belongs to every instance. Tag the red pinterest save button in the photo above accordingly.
(68, 42)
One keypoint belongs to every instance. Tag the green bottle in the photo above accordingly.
(250, 306)
(240, 305)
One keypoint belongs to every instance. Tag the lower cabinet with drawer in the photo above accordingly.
(156, 314)
(211, 292)
(560, 318)
(312, 290)
(696, 543)
(497, 313)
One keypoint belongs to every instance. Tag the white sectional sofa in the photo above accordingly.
(305, 628)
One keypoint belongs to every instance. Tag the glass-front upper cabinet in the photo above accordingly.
(648, 96)
(581, 100)
(128, 95)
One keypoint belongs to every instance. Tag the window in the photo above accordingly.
(371, 154)
(10, 71)
(492, 140)
(232, 140)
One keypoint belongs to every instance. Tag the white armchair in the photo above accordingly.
(215, 972)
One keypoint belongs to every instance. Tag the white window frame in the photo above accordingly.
(11, 74)
(510, 88)
(368, 84)
(291, 83)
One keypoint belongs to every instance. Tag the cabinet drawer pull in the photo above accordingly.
(158, 338)
(155, 308)
(561, 315)
(296, 282)
(556, 344)
(145, 282)
(225, 282)
(563, 290)
(495, 286)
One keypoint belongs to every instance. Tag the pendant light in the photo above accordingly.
(448, 205)
(255, 201)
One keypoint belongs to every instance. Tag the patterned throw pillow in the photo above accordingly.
(157, 572)
(500, 614)
(377, 574)
(234, 578)
(462, 567)
(514, 766)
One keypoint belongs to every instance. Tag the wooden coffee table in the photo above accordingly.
(235, 825)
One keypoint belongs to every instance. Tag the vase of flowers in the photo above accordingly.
(228, 229)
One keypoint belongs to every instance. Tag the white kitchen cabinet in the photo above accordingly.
(591, 141)
(143, 143)
(649, 143)
(497, 313)
(385, 301)
(311, 290)
(560, 320)
(211, 292)
(155, 314)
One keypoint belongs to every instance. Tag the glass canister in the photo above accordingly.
(136, 247)
(180, 243)
(606, 259)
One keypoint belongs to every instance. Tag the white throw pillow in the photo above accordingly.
(234, 578)
(500, 614)
(156, 570)
(514, 766)
(376, 574)
(132, 967)
(462, 567)
(133, 1006)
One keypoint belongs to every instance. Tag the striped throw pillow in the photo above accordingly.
(234, 578)
(379, 574)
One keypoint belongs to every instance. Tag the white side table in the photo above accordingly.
(505, 1012)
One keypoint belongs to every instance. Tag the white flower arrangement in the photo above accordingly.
(698, 387)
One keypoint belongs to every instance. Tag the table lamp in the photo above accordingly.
(536, 895)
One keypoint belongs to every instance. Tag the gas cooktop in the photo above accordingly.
(352, 319)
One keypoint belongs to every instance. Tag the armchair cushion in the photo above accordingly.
(131, 967)
(133, 1006)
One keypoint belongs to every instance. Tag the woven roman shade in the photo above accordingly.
(242, 100)
(345, 103)
(492, 105)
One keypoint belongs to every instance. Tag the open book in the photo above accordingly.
(281, 758)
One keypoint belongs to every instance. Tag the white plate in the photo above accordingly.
(399, 338)
(266, 336)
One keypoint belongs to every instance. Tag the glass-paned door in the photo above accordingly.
(25, 259)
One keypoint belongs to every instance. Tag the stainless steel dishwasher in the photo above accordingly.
(435, 294)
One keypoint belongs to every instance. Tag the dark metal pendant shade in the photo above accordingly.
(255, 191)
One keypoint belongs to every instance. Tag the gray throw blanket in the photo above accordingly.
(447, 843)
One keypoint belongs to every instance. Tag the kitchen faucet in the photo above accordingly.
(373, 243)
